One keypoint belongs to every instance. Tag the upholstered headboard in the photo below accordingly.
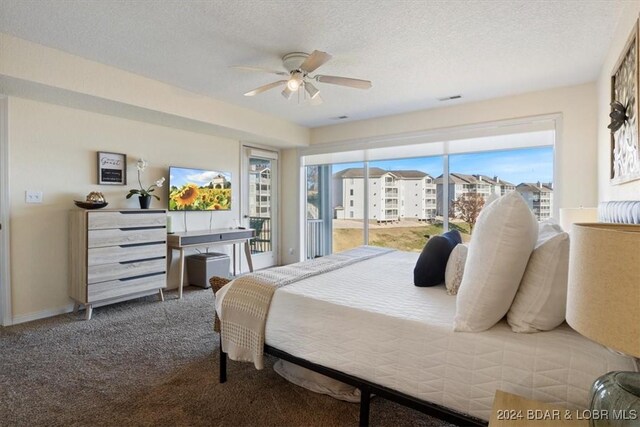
(621, 212)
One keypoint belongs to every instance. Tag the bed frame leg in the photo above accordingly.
(365, 398)
(223, 364)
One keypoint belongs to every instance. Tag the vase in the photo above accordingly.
(145, 202)
(615, 400)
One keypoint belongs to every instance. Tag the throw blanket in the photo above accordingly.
(246, 303)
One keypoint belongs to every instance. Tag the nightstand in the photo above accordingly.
(513, 411)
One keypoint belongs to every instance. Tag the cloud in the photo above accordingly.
(203, 177)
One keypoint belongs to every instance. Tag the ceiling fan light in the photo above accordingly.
(295, 81)
(311, 90)
(287, 93)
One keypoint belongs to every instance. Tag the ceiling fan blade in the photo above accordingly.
(287, 93)
(344, 81)
(313, 61)
(259, 69)
(265, 88)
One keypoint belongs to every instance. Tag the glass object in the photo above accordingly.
(348, 206)
(402, 202)
(615, 400)
(478, 176)
(260, 195)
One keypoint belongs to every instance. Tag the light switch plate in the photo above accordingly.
(33, 196)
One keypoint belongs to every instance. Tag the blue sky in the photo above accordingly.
(515, 166)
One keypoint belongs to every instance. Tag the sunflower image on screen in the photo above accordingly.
(199, 190)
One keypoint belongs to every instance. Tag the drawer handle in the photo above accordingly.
(142, 260)
(133, 245)
(142, 276)
(148, 211)
(156, 227)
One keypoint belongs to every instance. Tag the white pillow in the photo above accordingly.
(455, 268)
(501, 243)
(546, 230)
(540, 303)
(316, 382)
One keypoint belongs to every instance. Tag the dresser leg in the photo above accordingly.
(88, 310)
(161, 294)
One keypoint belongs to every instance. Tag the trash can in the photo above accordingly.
(201, 267)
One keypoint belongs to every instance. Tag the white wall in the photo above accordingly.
(31, 70)
(291, 207)
(53, 150)
(607, 191)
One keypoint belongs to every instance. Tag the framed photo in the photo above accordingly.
(625, 151)
(112, 168)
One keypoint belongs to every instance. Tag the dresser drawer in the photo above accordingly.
(115, 254)
(119, 236)
(105, 272)
(124, 219)
(117, 288)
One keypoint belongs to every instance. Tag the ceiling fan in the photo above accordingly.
(299, 66)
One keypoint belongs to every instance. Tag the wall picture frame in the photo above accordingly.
(112, 168)
(625, 149)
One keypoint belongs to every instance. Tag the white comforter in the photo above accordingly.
(368, 320)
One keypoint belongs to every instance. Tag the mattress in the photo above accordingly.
(368, 320)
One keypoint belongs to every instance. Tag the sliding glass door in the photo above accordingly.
(259, 207)
(399, 202)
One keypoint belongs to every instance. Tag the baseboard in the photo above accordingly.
(23, 318)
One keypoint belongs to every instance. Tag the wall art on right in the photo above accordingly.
(625, 153)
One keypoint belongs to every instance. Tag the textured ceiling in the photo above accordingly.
(413, 51)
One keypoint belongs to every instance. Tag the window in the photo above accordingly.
(476, 168)
(527, 170)
(402, 204)
(347, 226)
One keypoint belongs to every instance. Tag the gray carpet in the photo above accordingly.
(144, 362)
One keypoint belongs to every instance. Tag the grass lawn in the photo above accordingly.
(411, 239)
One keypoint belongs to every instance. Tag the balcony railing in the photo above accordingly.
(262, 242)
(315, 238)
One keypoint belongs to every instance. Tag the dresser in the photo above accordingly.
(116, 254)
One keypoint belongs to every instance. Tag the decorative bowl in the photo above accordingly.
(90, 205)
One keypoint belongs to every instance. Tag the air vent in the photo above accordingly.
(339, 118)
(449, 98)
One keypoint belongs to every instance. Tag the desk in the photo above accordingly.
(206, 238)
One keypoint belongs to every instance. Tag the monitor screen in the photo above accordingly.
(199, 190)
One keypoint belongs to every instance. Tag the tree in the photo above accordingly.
(467, 208)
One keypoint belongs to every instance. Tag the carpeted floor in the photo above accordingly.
(145, 362)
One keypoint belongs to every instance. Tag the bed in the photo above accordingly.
(396, 340)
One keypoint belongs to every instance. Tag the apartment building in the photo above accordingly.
(260, 190)
(539, 197)
(392, 194)
(398, 194)
(417, 194)
(460, 184)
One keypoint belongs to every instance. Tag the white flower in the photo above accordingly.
(160, 182)
(142, 164)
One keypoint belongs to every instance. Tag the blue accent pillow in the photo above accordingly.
(432, 263)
